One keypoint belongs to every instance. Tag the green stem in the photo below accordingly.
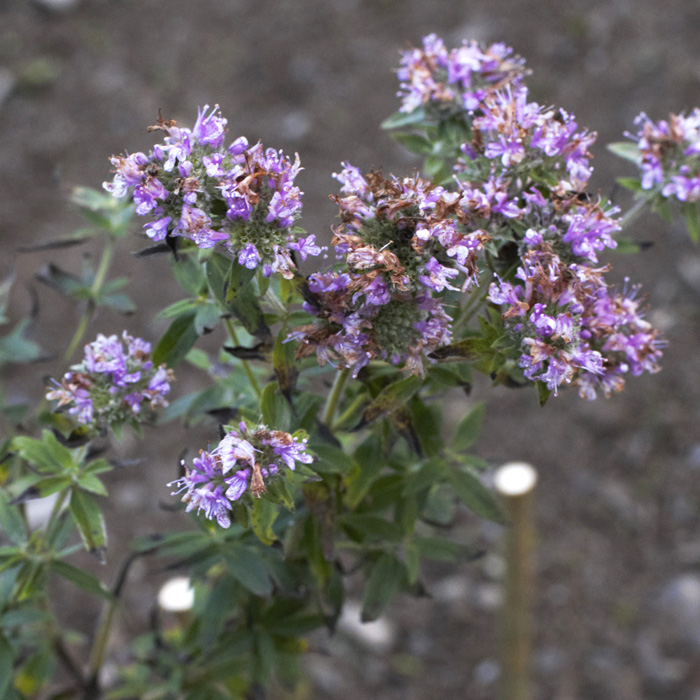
(56, 511)
(97, 283)
(99, 648)
(472, 307)
(634, 211)
(277, 307)
(347, 413)
(334, 396)
(246, 366)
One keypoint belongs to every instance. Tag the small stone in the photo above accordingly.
(487, 672)
(7, 84)
(57, 5)
(450, 589)
(488, 596)
(679, 608)
(378, 635)
(38, 511)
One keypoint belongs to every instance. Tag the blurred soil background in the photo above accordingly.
(618, 506)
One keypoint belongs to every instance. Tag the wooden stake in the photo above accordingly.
(516, 482)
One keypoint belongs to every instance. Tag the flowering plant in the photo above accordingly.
(331, 456)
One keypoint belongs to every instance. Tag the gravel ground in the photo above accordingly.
(618, 508)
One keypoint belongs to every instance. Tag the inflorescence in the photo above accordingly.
(242, 196)
(401, 243)
(243, 461)
(669, 155)
(113, 383)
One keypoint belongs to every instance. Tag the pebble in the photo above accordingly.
(7, 84)
(38, 511)
(487, 672)
(679, 608)
(378, 636)
(57, 5)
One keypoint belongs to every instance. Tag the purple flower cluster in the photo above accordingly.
(242, 196)
(243, 460)
(668, 155)
(402, 242)
(521, 135)
(461, 78)
(113, 382)
(570, 328)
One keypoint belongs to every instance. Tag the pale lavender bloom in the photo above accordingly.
(113, 381)
(249, 257)
(305, 246)
(209, 129)
(237, 484)
(158, 229)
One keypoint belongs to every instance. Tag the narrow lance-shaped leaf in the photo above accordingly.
(390, 399)
(284, 364)
(469, 428)
(385, 578)
(625, 149)
(80, 578)
(177, 341)
(6, 657)
(692, 221)
(476, 496)
(90, 521)
(262, 517)
(248, 569)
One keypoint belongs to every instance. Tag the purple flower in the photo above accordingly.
(209, 129)
(113, 382)
(249, 257)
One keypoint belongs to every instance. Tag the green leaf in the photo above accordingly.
(391, 398)
(692, 222)
(331, 460)
(226, 279)
(119, 302)
(89, 482)
(274, 409)
(385, 578)
(47, 454)
(285, 365)
(262, 517)
(246, 309)
(80, 578)
(368, 464)
(206, 318)
(413, 142)
(239, 277)
(476, 496)
(634, 184)
(14, 347)
(248, 568)
(401, 119)
(440, 549)
(6, 663)
(90, 521)
(371, 527)
(431, 472)
(469, 428)
(466, 349)
(427, 425)
(626, 246)
(11, 521)
(543, 392)
(189, 274)
(64, 282)
(177, 341)
(625, 149)
(278, 492)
